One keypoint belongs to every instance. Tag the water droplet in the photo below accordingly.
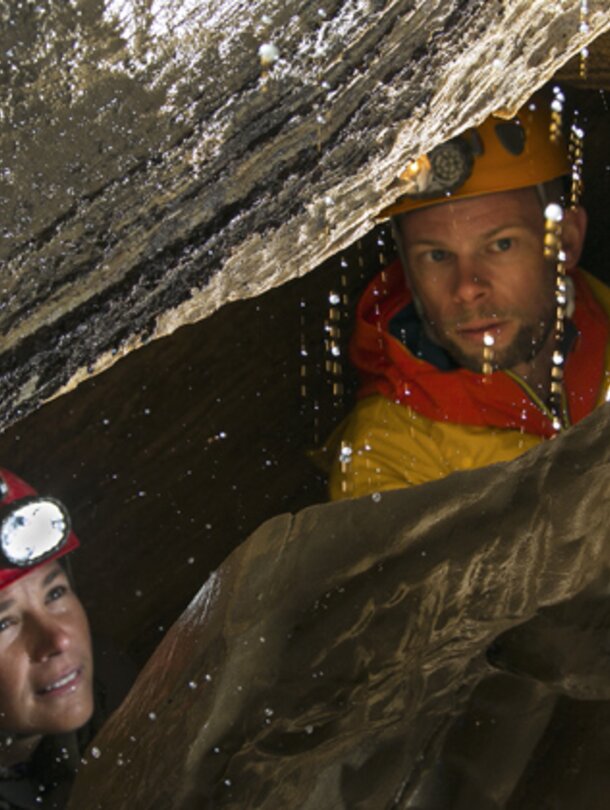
(268, 54)
(345, 454)
(554, 212)
(192, 684)
(376, 496)
(152, 716)
(95, 752)
(488, 339)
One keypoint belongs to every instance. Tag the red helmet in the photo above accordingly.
(33, 529)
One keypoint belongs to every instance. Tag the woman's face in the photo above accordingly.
(46, 662)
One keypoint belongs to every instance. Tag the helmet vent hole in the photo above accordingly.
(512, 136)
(476, 144)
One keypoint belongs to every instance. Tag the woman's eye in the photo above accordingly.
(56, 593)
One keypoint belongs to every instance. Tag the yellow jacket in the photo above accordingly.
(415, 424)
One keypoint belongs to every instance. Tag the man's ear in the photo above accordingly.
(573, 235)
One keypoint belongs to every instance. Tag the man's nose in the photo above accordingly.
(470, 280)
(47, 637)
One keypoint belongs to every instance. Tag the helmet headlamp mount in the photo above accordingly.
(440, 172)
(498, 155)
(32, 529)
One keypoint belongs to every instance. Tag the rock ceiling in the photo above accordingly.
(156, 163)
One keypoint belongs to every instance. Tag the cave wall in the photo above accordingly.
(174, 455)
(155, 168)
(171, 458)
(177, 453)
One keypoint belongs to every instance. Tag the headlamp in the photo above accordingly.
(32, 529)
(440, 172)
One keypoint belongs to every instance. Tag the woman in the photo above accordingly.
(46, 662)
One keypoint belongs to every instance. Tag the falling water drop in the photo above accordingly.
(583, 28)
(556, 115)
(488, 353)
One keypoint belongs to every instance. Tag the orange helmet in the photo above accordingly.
(499, 155)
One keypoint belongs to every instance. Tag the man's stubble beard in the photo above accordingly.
(524, 347)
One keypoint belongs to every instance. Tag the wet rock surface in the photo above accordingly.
(154, 168)
(324, 661)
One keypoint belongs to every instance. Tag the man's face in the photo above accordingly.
(46, 664)
(476, 267)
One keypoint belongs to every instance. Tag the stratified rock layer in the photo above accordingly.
(320, 666)
(154, 168)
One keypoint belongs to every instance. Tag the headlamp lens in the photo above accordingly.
(32, 530)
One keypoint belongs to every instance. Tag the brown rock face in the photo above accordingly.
(321, 664)
(153, 171)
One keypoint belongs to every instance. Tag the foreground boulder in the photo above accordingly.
(322, 664)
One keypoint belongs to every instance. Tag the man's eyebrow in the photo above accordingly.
(507, 226)
(486, 235)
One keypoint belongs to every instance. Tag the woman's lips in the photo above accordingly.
(67, 682)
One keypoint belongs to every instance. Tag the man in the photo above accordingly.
(46, 663)
(463, 348)
(472, 349)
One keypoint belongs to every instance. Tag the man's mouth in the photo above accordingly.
(65, 683)
(476, 332)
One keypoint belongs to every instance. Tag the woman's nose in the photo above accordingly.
(47, 637)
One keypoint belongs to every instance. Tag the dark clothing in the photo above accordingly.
(46, 780)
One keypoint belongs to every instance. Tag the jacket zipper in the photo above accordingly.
(563, 418)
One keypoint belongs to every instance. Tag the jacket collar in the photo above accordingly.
(441, 390)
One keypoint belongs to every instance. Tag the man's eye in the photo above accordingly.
(56, 593)
(502, 245)
(437, 255)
